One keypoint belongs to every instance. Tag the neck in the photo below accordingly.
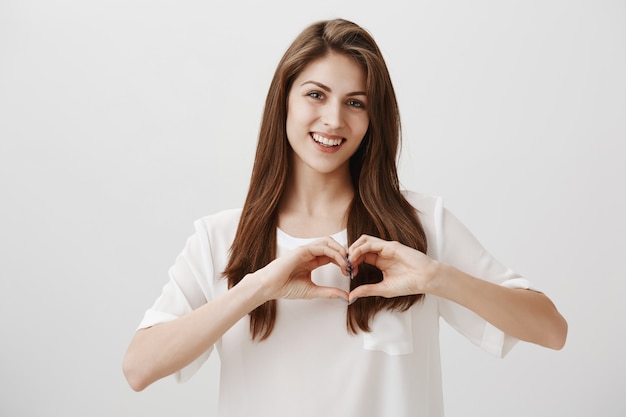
(316, 204)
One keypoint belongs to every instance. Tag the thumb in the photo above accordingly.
(327, 292)
(366, 290)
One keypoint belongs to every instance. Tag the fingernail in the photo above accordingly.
(352, 302)
(343, 299)
(350, 268)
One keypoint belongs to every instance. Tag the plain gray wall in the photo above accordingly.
(123, 121)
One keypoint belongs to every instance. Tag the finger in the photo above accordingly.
(365, 244)
(363, 238)
(370, 258)
(327, 292)
(358, 257)
(323, 254)
(330, 242)
(374, 245)
(368, 290)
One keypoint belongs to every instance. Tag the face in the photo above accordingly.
(327, 114)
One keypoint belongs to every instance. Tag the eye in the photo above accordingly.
(356, 103)
(316, 95)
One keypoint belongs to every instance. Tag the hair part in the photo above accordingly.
(378, 207)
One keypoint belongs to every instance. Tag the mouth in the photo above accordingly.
(327, 142)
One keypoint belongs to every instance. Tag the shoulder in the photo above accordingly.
(430, 212)
(427, 205)
(224, 218)
(219, 226)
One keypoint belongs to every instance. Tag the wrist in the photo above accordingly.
(254, 286)
(435, 276)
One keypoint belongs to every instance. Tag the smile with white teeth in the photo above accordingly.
(326, 141)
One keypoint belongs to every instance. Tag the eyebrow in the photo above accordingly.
(329, 90)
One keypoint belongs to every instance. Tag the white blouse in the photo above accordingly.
(311, 365)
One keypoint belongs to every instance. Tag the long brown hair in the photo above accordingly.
(378, 207)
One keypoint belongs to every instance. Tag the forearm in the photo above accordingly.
(524, 314)
(163, 349)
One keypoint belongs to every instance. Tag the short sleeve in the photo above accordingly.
(188, 288)
(458, 247)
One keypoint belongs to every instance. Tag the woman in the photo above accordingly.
(323, 293)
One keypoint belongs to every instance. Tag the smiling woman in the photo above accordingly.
(331, 271)
(326, 123)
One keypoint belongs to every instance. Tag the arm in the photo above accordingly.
(524, 314)
(163, 349)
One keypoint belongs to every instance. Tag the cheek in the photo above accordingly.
(294, 117)
(298, 113)
(360, 123)
(289, 122)
(295, 125)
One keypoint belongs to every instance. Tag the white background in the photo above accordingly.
(123, 121)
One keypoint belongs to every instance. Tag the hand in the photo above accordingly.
(405, 270)
(289, 276)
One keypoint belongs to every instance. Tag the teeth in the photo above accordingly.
(326, 141)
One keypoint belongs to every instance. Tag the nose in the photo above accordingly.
(332, 115)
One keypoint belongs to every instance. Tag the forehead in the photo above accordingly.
(339, 72)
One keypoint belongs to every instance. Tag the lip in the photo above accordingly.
(327, 135)
(324, 148)
(334, 138)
